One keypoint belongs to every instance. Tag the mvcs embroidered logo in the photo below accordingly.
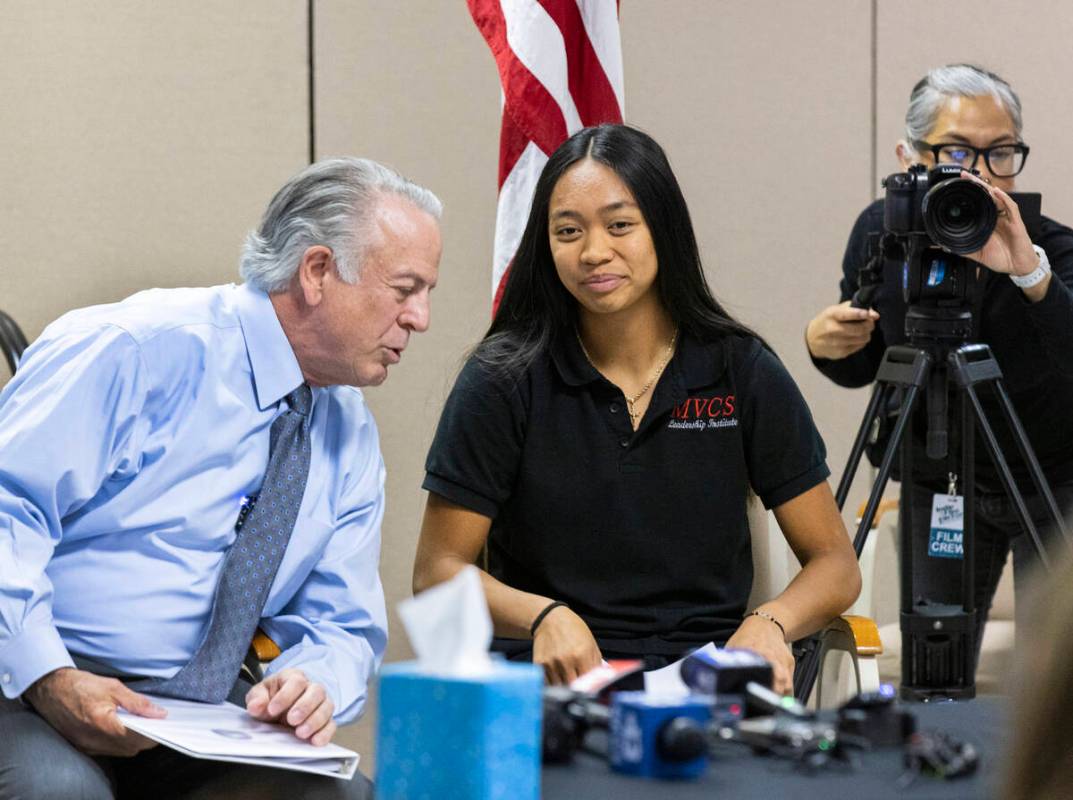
(704, 413)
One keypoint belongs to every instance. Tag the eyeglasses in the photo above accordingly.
(1003, 160)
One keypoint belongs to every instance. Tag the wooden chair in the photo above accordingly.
(262, 651)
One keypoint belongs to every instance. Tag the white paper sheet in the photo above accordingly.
(225, 732)
(668, 679)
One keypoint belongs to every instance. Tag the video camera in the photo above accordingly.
(933, 218)
(955, 213)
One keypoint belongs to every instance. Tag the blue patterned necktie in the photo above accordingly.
(250, 565)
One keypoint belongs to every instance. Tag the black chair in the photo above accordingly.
(12, 340)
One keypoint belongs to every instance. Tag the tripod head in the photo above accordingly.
(938, 287)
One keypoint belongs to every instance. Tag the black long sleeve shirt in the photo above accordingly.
(1032, 343)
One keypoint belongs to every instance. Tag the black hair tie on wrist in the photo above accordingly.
(540, 617)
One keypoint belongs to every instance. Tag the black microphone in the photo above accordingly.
(725, 671)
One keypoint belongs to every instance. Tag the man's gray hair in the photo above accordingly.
(329, 203)
(930, 95)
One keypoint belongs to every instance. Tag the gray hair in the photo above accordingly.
(955, 80)
(329, 203)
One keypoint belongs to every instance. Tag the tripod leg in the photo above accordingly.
(968, 526)
(875, 403)
(885, 466)
(808, 668)
(1003, 468)
(1043, 488)
(905, 525)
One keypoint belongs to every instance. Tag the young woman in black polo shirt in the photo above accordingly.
(603, 437)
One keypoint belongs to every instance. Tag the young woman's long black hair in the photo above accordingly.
(535, 307)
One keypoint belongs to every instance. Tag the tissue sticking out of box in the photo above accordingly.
(449, 626)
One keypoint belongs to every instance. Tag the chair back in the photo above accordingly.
(12, 341)
(774, 563)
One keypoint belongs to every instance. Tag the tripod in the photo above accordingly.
(938, 640)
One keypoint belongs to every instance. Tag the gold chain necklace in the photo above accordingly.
(635, 418)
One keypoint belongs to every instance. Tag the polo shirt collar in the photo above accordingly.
(570, 360)
(275, 368)
(697, 364)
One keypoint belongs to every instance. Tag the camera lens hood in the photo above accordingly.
(959, 215)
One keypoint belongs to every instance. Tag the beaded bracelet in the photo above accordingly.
(540, 617)
(770, 618)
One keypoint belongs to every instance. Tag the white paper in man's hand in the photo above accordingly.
(226, 732)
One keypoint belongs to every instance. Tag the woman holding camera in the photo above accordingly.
(1022, 308)
(602, 439)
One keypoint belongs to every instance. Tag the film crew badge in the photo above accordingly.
(947, 524)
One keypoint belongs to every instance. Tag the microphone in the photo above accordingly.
(875, 718)
(760, 700)
(726, 671)
(654, 736)
(568, 718)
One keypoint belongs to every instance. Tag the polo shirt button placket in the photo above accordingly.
(614, 408)
(624, 441)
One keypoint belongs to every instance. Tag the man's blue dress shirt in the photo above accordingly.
(128, 438)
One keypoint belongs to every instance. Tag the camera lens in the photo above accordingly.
(959, 215)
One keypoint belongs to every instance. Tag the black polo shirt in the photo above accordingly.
(643, 534)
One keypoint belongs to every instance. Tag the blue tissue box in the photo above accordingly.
(451, 737)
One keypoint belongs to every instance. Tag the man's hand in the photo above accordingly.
(840, 331)
(764, 638)
(82, 707)
(564, 646)
(290, 698)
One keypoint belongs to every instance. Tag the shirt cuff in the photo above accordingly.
(1055, 300)
(310, 659)
(460, 495)
(792, 488)
(28, 656)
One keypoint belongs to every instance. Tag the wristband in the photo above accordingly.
(540, 617)
(770, 618)
(1037, 275)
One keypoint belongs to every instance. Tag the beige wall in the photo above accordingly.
(140, 141)
(1026, 43)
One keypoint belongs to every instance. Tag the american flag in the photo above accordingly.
(560, 68)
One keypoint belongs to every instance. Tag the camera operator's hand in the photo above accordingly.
(564, 646)
(840, 331)
(764, 638)
(1009, 250)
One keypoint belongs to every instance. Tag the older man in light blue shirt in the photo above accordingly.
(130, 438)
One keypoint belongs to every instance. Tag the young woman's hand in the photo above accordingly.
(564, 646)
(764, 638)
